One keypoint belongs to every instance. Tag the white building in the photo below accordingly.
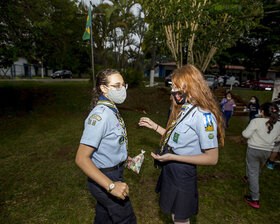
(21, 68)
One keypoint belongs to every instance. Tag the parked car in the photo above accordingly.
(211, 81)
(230, 80)
(248, 84)
(62, 74)
(167, 80)
(264, 84)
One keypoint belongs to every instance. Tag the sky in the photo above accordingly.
(96, 2)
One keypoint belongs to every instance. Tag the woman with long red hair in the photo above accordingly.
(191, 138)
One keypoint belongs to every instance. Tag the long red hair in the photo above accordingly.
(189, 80)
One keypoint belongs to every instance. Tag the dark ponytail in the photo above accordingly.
(270, 110)
(101, 79)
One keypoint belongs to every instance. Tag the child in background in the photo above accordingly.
(228, 106)
(253, 107)
(262, 133)
(276, 150)
(272, 159)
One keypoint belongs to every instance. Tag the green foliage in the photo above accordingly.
(45, 32)
(8, 50)
(228, 20)
(49, 32)
(114, 27)
(133, 78)
(263, 96)
(202, 27)
(259, 47)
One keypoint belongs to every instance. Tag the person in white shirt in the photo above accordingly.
(276, 150)
(262, 133)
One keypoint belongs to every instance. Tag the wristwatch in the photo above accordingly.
(111, 187)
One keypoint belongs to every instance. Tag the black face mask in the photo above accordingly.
(179, 97)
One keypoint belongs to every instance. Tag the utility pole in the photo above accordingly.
(91, 41)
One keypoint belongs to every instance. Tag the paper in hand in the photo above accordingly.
(136, 162)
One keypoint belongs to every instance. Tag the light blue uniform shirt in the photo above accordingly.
(195, 133)
(104, 132)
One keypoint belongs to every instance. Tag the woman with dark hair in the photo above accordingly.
(193, 130)
(253, 107)
(103, 151)
(228, 106)
(262, 133)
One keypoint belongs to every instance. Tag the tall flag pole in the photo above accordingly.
(88, 35)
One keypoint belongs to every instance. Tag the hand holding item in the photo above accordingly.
(136, 162)
(148, 123)
(164, 158)
(120, 190)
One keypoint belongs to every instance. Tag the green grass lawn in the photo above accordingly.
(40, 128)
(246, 94)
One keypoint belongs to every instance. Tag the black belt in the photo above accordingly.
(111, 168)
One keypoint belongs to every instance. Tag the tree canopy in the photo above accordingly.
(49, 32)
(258, 48)
(200, 28)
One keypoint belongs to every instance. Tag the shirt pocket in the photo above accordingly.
(182, 135)
(182, 128)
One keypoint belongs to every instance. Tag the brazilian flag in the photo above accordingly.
(86, 35)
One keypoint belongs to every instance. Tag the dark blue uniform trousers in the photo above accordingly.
(109, 209)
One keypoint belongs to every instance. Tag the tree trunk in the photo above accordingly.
(152, 66)
(190, 58)
(42, 69)
(208, 58)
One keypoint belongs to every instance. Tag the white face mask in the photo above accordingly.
(118, 96)
(228, 98)
(253, 101)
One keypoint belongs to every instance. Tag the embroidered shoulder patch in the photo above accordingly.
(92, 122)
(93, 118)
(96, 117)
(208, 123)
(176, 137)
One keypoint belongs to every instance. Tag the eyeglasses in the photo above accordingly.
(118, 86)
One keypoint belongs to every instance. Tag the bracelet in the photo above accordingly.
(156, 128)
